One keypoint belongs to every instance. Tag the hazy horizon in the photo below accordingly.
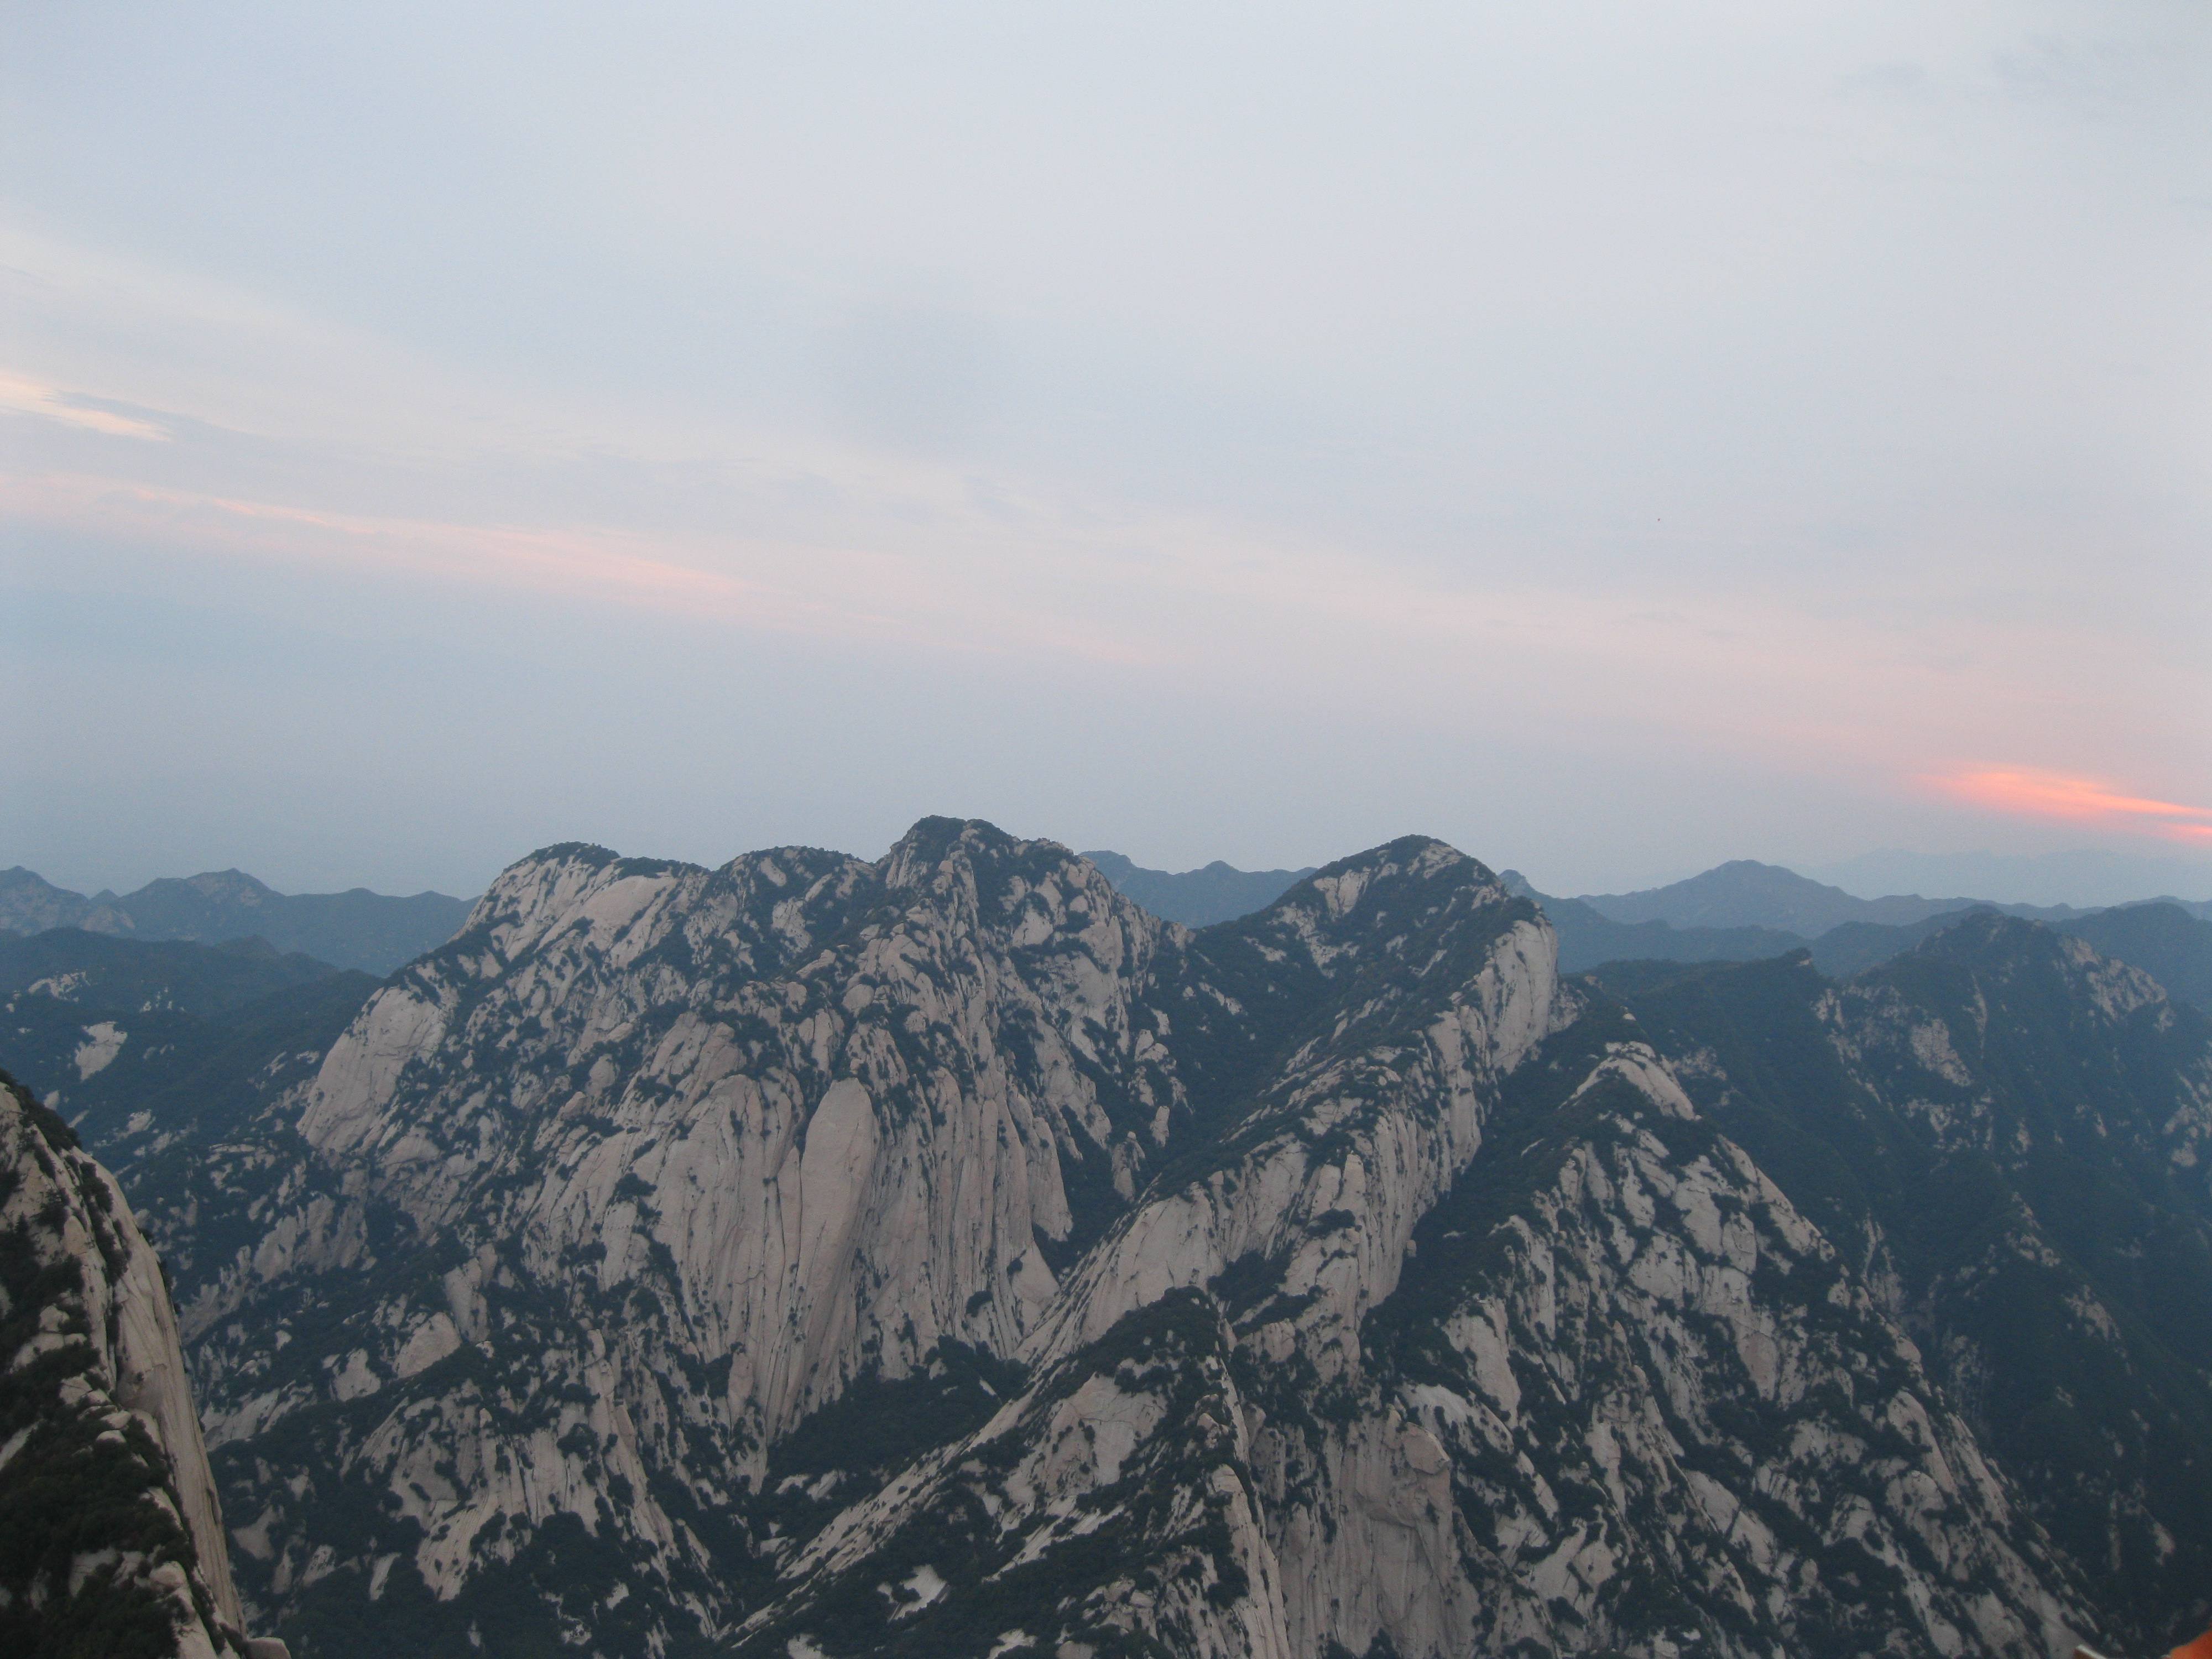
(2081, 877)
(1614, 442)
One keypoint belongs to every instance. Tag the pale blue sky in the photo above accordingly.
(1614, 438)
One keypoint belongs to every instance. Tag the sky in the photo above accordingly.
(1612, 438)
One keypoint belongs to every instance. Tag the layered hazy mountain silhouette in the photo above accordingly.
(373, 932)
(2085, 877)
(1739, 911)
(1745, 893)
(1197, 898)
(1744, 910)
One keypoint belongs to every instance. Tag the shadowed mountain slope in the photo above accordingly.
(111, 1539)
(357, 929)
(98, 970)
(943, 1254)
(2010, 1136)
(1197, 898)
(2163, 939)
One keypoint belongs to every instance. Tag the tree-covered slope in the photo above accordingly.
(2011, 1135)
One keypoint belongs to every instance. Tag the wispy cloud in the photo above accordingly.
(913, 561)
(825, 592)
(2032, 793)
(71, 408)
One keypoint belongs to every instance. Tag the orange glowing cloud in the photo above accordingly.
(2063, 795)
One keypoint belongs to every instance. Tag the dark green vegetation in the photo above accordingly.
(138, 1042)
(2033, 1181)
(98, 970)
(83, 1520)
(878, 1425)
(2164, 940)
(952, 1580)
(355, 929)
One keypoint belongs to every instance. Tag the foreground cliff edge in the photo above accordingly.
(110, 1535)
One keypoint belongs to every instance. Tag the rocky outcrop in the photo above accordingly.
(1109, 1509)
(2004, 1134)
(1625, 1398)
(940, 1254)
(1672, 1419)
(653, 1161)
(113, 1536)
(1360, 1126)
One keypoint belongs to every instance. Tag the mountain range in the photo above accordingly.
(357, 929)
(2083, 876)
(1745, 893)
(1743, 910)
(1739, 911)
(1197, 898)
(943, 1254)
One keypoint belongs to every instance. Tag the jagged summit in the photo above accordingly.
(943, 1252)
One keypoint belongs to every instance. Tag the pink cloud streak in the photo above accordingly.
(821, 591)
(2032, 792)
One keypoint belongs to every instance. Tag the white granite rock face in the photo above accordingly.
(83, 1289)
(1111, 1503)
(1650, 1386)
(1655, 1379)
(1353, 1148)
(721, 1141)
(843, 1151)
(596, 1213)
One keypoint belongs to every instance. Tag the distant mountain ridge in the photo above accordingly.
(2085, 877)
(1739, 911)
(2165, 941)
(1197, 898)
(71, 964)
(372, 932)
(137, 1042)
(1745, 893)
(1745, 911)
(1588, 936)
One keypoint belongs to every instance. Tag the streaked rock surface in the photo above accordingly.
(112, 1533)
(939, 1254)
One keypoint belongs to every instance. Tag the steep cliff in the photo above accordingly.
(2009, 1136)
(1623, 1398)
(648, 1163)
(822, 1256)
(110, 1533)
